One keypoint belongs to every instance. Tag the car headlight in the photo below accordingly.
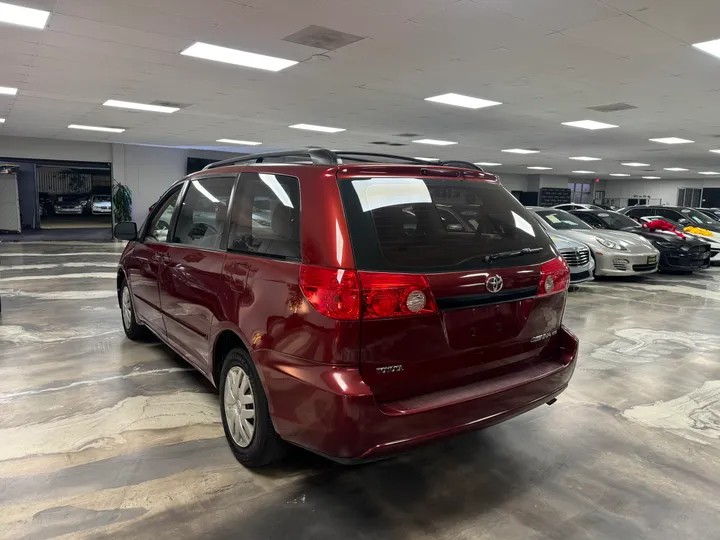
(610, 244)
(664, 244)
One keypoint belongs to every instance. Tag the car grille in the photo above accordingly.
(576, 257)
(644, 267)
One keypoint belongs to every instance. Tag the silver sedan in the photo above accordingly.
(577, 255)
(616, 253)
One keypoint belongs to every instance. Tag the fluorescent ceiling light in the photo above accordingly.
(520, 151)
(715, 151)
(237, 57)
(584, 172)
(540, 168)
(427, 158)
(676, 169)
(651, 177)
(2, 120)
(96, 128)
(710, 47)
(434, 142)
(463, 101)
(140, 106)
(672, 140)
(635, 164)
(589, 124)
(234, 141)
(708, 172)
(619, 174)
(323, 129)
(488, 164)
(8, 91)
(586, 158)
(34, 18)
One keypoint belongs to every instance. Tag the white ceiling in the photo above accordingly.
(546, 60)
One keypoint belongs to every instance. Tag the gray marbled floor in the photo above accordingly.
(104, 438)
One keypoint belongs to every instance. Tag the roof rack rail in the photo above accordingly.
(321, 156)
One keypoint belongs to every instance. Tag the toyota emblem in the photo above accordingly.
(494, 284)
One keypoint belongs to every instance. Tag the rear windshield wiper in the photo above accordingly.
(510, 254)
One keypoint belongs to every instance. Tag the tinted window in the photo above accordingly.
(640, 212)
(203, 213)
(159, 226)
(591, 220)
(561, 220)
(266, 215)
(670, 214)
(414, 224)
(614, 220)
(697, 217)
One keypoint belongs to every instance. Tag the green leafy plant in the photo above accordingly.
(122, 202)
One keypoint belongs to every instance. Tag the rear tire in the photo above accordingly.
(133, 330)
(245, 414)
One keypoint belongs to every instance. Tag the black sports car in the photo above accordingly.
(712, 213)
(676, 253)
(680, 214)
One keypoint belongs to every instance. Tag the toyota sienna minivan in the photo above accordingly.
(355, 305)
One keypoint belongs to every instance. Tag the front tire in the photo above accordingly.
(245, 415)
(133, 330)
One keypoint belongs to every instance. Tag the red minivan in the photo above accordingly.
(352, 304)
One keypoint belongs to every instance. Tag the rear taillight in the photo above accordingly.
(554, 277)
(349, 296)
(395, 295)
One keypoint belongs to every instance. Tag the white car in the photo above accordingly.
(577, 255)
(100, 204)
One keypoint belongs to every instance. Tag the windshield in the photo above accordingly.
(616, 221)
(561, 220)
(697, 217)
(425, 224)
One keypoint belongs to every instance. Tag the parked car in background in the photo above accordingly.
(46, 204)
(616, 253)
(677, 252)
(357, 324)
(711, 237)
(68, 204)
(712, 213)
(577, 206)
(100, 205)
(679, 214)
(577, 255)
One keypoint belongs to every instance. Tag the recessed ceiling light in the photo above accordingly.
(235, 141)
(584, 172)
(540, 168)
(140, 106)
(8, 91)
(427, 158)
(619, 174)
(635, 164)
(34, 18)
(520, 151)
(651, 177)
(675, 169)
(435, 142)
(96, 128)
(589, 124)
(323, 129)
(463, 101)
(672, 140)
(708, 172)
(710, 47)
(488, 164)
(586, 158)
(237, 57)
(2, 120)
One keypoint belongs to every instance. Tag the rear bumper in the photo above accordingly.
(330, 410)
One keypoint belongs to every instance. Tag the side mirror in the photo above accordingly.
(126, 230)
(454, 227)
(683, 221)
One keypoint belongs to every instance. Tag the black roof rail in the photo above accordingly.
(321, 156)
(318, 156)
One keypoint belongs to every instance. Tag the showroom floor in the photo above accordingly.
(104, 438)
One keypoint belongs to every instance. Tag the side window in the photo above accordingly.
(203, 213)
(670, 214)
(266, 215)
(159, 225)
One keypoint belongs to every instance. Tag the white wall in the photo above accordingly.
(514, 182)
(656, 189)
(22, 147)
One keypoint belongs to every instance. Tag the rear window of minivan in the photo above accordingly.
(437, 225)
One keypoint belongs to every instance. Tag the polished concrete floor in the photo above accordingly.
(104, 438)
